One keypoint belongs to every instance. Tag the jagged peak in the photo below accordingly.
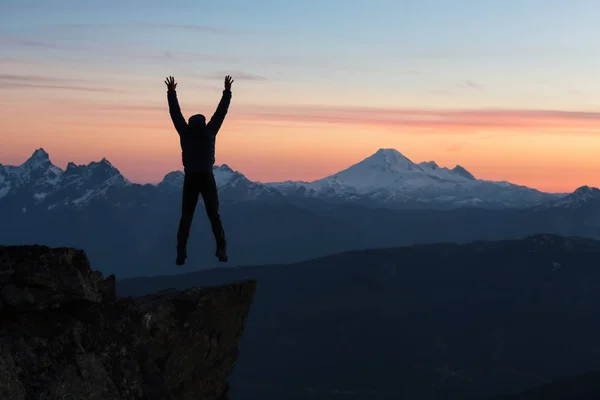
(429, 164)
(105, 166)
(224, 174)
(40, 153)
(463, 172)
(173, 177)
(223, 167)
(104, 160)
(38, 158)
(587, 190)
(173, 174)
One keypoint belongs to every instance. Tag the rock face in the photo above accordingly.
(64, 334)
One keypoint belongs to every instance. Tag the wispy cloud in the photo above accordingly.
(35, 78)
(471, 85)
(191, 56)
(434, 121)
(17, 81)
(20, 61)
(93, 27)
(237, 75)
(426, 121)
(37, 44)
(64, 87)
(189, 27)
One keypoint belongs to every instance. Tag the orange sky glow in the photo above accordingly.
(552, 151)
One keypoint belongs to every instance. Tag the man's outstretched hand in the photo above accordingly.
(171, 85)
(228, 82)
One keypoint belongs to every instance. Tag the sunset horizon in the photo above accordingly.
(63, 166)
(87, 81)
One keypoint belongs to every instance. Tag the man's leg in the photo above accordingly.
(211, 202)
(191, 190)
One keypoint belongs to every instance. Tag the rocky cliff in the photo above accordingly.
(64, 334)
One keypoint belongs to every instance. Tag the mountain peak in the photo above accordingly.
(39, 157)
(40, 153)
(171, 180)
(224, 175)
(389, 159)
(463, 172)
(387, 150)
(586, 191)
(388, 153)
(104, 165)
(580, 197)
(429, 164)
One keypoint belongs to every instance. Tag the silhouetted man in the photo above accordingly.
(197, 140)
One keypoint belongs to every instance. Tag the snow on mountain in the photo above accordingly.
(82, 183)
(463, 172)
(37, 175)
(582, 196)
(37, 181)
(388, 176)
(231, 183)
(385, 178)
(5, 183)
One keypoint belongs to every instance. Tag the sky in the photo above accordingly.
(508, 89)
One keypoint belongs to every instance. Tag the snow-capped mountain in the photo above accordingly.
(38, 182)
(37, 174)
(389, 177)
(232, 184)
(581, 197)
(386, 178)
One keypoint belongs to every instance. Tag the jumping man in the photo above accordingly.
(197, 139)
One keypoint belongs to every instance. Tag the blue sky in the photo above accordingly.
(541, 50)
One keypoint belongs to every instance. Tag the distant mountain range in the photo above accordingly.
(384, 179)
(384, 200)
(426, 322)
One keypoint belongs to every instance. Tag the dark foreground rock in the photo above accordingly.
(64, 334)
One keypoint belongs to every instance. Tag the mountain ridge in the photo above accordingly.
(386, 178)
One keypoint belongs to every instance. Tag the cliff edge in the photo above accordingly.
(64, 334)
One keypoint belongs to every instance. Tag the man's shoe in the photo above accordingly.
(180, 259)
(221, 254)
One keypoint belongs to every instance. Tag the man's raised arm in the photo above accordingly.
(174, 109)
(217, 119)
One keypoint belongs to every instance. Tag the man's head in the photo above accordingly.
(197, 120)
